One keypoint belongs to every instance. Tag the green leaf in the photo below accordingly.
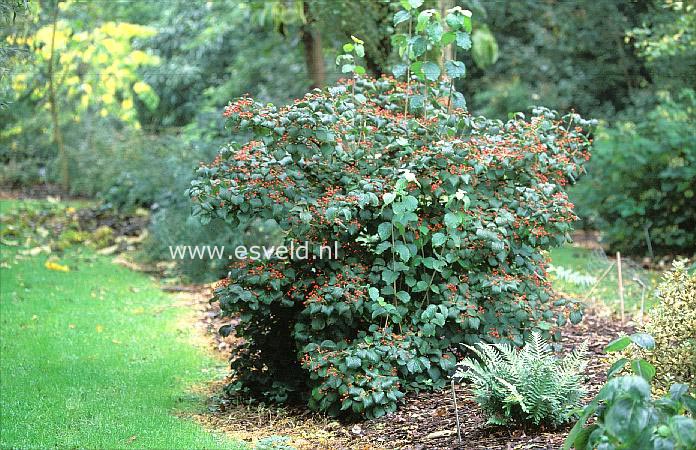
(453, 21)
(434, 31)
(678, 390)
(410, 203)
(463, 40)
(401, 16)
(448, 38)
(360, 50)
(420, 286)
(626, 417)
(413, 365)
(455, 69)
(643, 368)
(360, 70)
(431, 71)
(419, 45)
(399, 70)
(403, 296)
(643, 340)
(484, 48)
(374, 293)
(575, 317)
(438, 239)
(684, 430)
(416, 102)
(452, 220)
(348, 47)
(384, 230)
(618, 344)
(403, 251)
(389, 198)
(577, 433)
(353, 362)
(466, 22)
(416, 68)
(616, 367)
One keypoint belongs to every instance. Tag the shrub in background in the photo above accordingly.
(672, 323)
(641, 182)
(529, 386)
(440, 219)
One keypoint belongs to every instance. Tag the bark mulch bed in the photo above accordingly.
(424, 420)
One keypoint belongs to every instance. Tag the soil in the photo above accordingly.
(424, 420)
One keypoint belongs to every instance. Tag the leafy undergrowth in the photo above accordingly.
(94, 355)
(423, 420)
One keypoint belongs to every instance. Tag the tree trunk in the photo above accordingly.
(57, 135)
(314, 55)
(447, 54)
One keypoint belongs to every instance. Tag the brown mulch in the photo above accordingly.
(424, 420)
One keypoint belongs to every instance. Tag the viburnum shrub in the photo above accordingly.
(440, 219)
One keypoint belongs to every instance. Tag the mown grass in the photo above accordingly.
(583, 262)
(97, 357)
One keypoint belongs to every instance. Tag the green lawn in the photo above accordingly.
(579, 264)
(96, 357)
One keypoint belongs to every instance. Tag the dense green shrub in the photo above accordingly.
(529, 386)
(642, 181)
(627, 417)
(672, 323)
(630, 419)
(440, 219)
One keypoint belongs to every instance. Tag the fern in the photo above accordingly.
(526, 386)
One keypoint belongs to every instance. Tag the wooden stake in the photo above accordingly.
(456, 414)
(599, 280)
(621, 288)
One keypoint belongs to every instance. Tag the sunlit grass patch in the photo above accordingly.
(92, 357)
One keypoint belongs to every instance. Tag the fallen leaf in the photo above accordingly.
(36, 250)
(99, 328)
(71, 326)
(108, 250)
(138, 310)
(440, 434)
(34, 317)
(116, 341)
(50, 265)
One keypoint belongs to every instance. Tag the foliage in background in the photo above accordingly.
(83, 70)
(627, 417)
(527, 386)
(602, 58)
(564, 55)
(666, 39)
(213, 52)
(640, 190)
(672, 323)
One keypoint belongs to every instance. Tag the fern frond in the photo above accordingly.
(529, 385)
